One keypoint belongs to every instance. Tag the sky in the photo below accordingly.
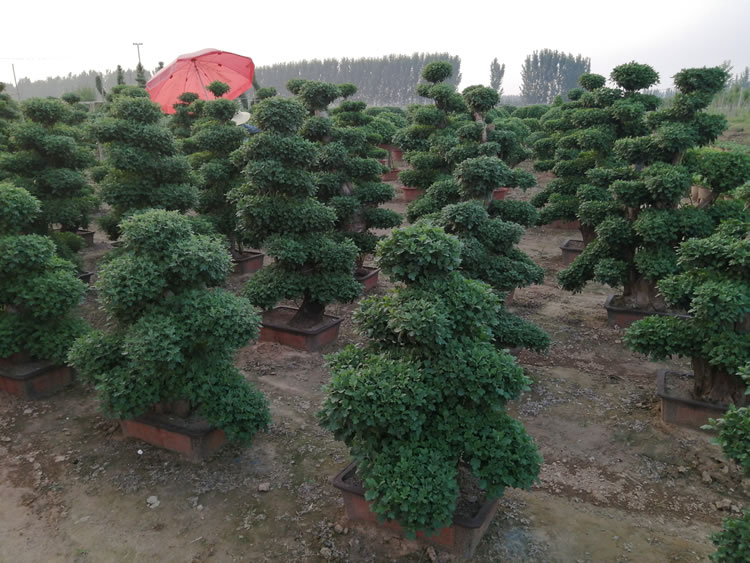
(44, 39)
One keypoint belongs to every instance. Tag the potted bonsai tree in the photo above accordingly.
(48, 158)
(637, 236)
(715, 288)
(348, 178)
(733, 541)
(580, 137)
(422, 405)
(165, 365)
(144, 167)
(277, 211)
(38, 292)
(214, 137)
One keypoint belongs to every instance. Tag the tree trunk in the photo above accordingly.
(716, 385)
(646, 295)
(309, 314)
(588, 234)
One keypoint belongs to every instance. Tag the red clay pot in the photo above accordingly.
(247, 262)
(461, 538)
(571, 249)
(500, 193)
(411, 194)
(684, 411)
(196, 441)
(624, 316)
(369, 277)
(275, 328)
(390, 176)
(33, 380)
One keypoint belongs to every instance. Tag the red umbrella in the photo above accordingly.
(193, 72)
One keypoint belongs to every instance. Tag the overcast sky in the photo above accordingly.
(48, 39)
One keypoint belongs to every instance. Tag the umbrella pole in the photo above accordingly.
(198, 72)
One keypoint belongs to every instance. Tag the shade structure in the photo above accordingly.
(193, 72)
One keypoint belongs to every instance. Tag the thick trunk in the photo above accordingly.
(309, 314)
(588, 234)
(646, 295)
(716, 385)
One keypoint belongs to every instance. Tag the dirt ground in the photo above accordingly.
(617, 483)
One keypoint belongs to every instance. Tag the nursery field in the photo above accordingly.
(617, 484)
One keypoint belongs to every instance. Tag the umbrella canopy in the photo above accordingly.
(193, 72)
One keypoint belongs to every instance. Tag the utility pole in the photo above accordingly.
(138, 46)
(18, 94)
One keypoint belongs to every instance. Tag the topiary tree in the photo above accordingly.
(9, 112)
(426, 396)
(174, 330)
(145, 170)
(277, 210)
(38, 290)
(347, 174)
(580, 136)
(639, 231)
(715, 288)
(214, 137)
(733, 541)
(186, 112)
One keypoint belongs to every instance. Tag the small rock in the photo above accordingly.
(431, 554)
(338, 529)
(682, 469)
(724, 504)
(326, 552)
(199, 507)
(27, 411)
(264, 487)
(706, 477)
(140, 452)
(153, 501)
(60, 458)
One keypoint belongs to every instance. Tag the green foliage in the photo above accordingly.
(48, 157)
(721, 171)
(175, 330)
(218, 88)
(429, 390)
(634, 76)
(145, 170)
(38, 290)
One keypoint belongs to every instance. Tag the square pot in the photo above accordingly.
(368, 278)
(500, 193)
(34, 380)
(85, 277)
(275, 328)
(87, 236)
(194, 440)
(390, 176)
(684, 410)
(564, 225)
(460, 538)
(570, 249)
(247, 262)
(625, 316)
(411, 194)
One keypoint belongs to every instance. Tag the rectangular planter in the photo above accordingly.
(34, 380)
(278, 330)
(369, 279)
(571, 249)
(194, 441)
(624, 317)
(461, 538)
(390, 176)
(411, 194)
(248, 263)
(500, 193)
(87, 236)
(85, 277)
(684, 411)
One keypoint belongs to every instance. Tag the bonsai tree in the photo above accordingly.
(145, 170)
(489, 246)
(185, 114)
(733, 541)
(48, 159)
(276, 210)
(214, 137)
(9, 113)
(638, 234)
(174, 331)
(427, 395)
(715, 288)
(38, 290)
(347, 175)
(580, 136)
